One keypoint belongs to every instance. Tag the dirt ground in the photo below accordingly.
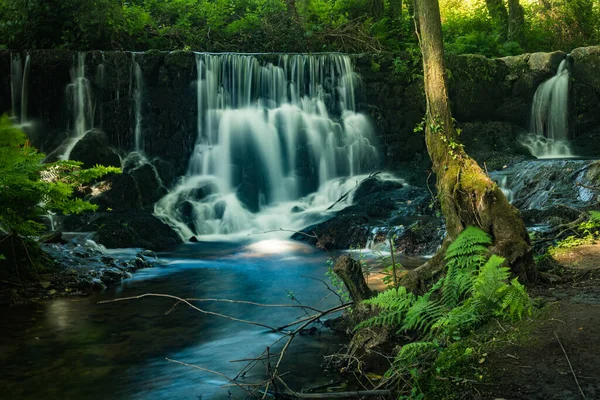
(560, 357)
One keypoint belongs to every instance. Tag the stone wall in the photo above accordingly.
(490, 97)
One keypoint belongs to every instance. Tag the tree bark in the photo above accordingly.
(350, 272)
(516, 21)
(499, 16)
(467, 196)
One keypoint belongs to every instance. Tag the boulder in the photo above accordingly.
(134, 229)
(94, 149)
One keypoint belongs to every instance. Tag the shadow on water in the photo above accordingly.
(73, 348)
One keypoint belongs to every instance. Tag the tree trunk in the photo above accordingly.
(499, 16)
(350, 272)
(516, 21)
(467, 196)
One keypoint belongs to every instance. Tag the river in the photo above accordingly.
(75, 348)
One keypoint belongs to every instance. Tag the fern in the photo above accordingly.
(516, 301)
(412, 353)
(423, 314)
(393, 304)
(474, 289)
(464, 256)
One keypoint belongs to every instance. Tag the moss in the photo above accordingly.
(181, 60)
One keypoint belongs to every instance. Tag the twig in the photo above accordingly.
(326, 285)
(285, 230)
(393, 262)
(179, 299)
(211, 372)
(251, 303)
(312, 317)
(291, 337)
(570, 366)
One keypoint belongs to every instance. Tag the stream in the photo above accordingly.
(74, 348)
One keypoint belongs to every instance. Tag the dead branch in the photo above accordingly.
(285, 230)
(212, 372)
(293, 335)
(186, 302)
(570, 366)
(326, 285)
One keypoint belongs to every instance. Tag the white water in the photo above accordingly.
(276, 146)
(19, 88)
(550, 118)
(80, 96)
(138, 94)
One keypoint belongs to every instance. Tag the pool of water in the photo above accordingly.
(75, 348)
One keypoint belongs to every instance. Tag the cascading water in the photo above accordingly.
(19, 88)
(276, 145)
(79, 93)
(550, 117)
(138, 93)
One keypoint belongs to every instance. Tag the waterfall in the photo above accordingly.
(138, 93)
(549, 124)
(277, 143)
(19, 88)
(80, 96)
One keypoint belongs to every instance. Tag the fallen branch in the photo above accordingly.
(335, 395)
(570, 366)
(186, 302)
(212, 372)
(285, 230)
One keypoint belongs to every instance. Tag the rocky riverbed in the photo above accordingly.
(81, 267)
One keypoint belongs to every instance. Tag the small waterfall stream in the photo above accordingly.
(19, 88)
(81, 101)
(550, 117)
(138, 94)
(276, 141)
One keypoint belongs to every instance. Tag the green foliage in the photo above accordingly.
(475, 289)
(29, 189)
(586, 232)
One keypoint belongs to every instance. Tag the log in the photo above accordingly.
(350, 272)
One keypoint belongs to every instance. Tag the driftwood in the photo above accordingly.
(350, 272)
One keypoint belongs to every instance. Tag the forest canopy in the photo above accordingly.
(488, 27)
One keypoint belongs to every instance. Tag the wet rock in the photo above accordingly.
(193, 239)
(94, 149)
(420, 238)
(380, 208)
(134, 229)
(375, 185)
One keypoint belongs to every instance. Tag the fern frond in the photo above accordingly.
(471, 240)
(412, 353)
(423, 314)
(489, 284)
(393, 304)
(516, 300)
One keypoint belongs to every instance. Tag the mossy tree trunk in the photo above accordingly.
(467, 196)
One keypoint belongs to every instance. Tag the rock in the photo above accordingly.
(420, 238)
(134, 229)
(546, 62)
(193, 239)
(94, 149)
(54, 237)
(374, 185)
